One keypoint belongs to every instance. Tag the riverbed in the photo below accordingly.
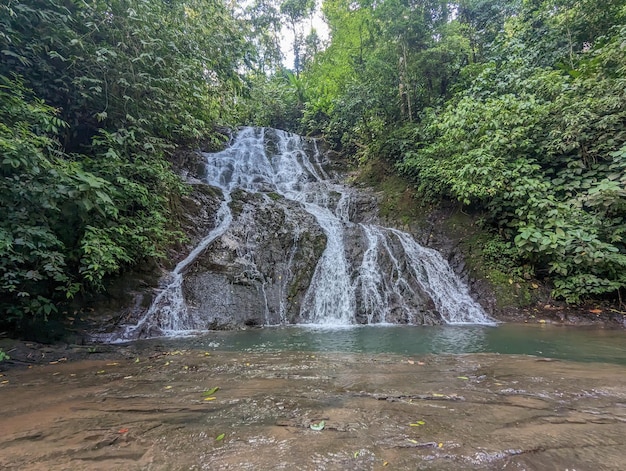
(154, 406)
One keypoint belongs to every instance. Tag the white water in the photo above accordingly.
(262, 160)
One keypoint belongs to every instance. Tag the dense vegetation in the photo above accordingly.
(94, 98)
(516, 108)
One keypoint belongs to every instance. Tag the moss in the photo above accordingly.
(488, 257)
(399, 203)
(510, 290)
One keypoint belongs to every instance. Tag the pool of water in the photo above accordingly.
(559, 342)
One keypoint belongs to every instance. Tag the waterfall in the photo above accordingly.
(394, 278)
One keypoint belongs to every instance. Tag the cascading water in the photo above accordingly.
(392, 278)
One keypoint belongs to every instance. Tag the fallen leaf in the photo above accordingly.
(411, 440)
(596, 311)
(534, 285)
(127, 377)
(438, 395)
(137, 360)
(212, 398)
(211, 391)
(440, 445)
(463, 377)
(410, 362)
(417, 424)
(220, 437)
(542, 321)
(168, 387)
(356, 454)
(122, 430)
(385, 463)
(5, 381)
(319, 426)
(113, 364)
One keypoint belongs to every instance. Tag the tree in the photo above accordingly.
(95, 96)
(294, 11)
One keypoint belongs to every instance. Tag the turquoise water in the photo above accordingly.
(559, 342)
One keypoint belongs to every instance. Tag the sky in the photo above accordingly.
(286, 43)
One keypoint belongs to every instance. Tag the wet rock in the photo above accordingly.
(259, 270)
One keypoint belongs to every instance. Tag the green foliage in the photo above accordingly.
(275, 101)
(542, 150)
(94, 97)
(32, 259)
(4, 356)
(517, 109)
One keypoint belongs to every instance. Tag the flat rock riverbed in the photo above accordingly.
(160, 411)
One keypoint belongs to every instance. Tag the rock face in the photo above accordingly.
(275, 238)
(258, 271)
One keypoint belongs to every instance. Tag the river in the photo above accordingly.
(401, 398)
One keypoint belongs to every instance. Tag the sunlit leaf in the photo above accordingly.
(211, 391)
(463, 377)
(220, 437)
(212, 398)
